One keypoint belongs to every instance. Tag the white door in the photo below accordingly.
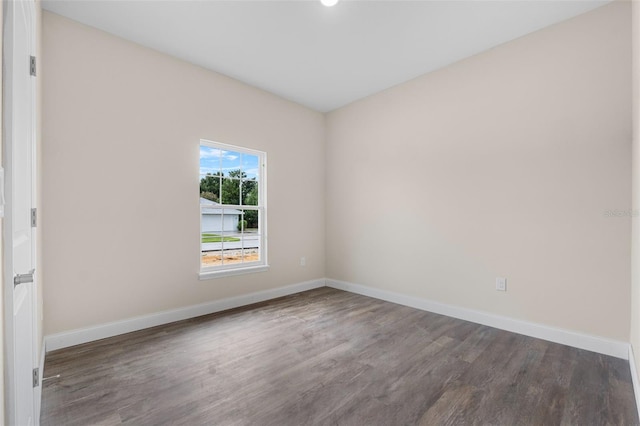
(19, 236)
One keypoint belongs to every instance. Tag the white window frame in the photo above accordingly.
(208, 272)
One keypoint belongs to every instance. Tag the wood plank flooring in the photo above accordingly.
(327, 357)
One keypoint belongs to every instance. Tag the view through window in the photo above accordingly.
(232, 207)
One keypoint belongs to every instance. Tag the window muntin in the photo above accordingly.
(232, 209)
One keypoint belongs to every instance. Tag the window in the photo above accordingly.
(232, 210)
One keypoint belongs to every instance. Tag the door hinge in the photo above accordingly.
(24, 278)
(36, 377)
(34, 218)
(32, 65)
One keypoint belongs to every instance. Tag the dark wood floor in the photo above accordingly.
(327, 357)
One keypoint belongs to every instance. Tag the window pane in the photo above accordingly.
(211, 258)
(209, 173)
(231, 161)
(232, 256)
(250, 192)
(251, 255)
(251, 222)
(230, 191)
(210, 187)
(209, 160)
(249, 235)
(250, 164)
(211, 219)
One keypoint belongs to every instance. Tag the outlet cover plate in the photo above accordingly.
(501, 284)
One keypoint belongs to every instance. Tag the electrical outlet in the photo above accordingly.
(501, 284)
(303, 261)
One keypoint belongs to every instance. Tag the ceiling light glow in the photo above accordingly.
(329, 3)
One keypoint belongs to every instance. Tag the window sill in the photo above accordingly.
(208, 275)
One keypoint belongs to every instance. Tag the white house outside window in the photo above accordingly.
(232, 210)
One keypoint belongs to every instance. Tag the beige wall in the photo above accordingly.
(122, 126)
(635, 158)
(500, 165)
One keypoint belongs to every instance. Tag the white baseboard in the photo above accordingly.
(557, 335)
(597, 344)
(634, 378)
(90, 334)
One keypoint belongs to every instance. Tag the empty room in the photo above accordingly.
(320, 212)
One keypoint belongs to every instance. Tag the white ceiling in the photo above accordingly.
(317, 56)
